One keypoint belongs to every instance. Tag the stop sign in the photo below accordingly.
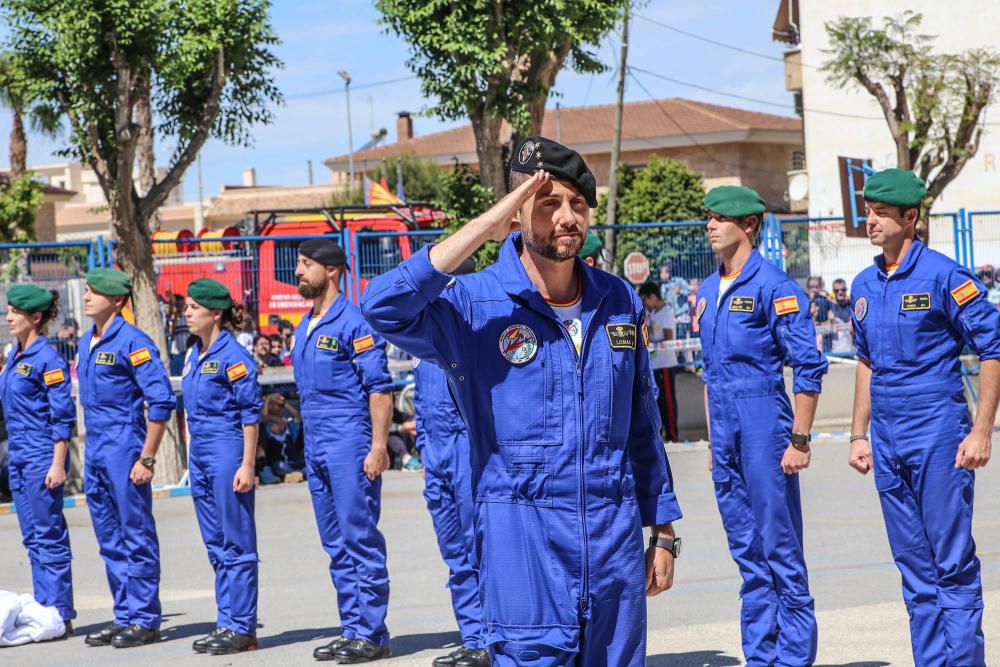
(636, 267)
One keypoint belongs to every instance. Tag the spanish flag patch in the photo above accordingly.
(363, 343)
(54, 377)
(645, 334)
(139, 357)
(965, 292)
(234, 373)
(786, 305)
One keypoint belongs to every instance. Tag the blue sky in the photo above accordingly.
(320, 38)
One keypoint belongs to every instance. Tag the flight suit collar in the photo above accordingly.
(748, 271)
(220, 342)
(32, 349)
(332, 313)
(909, 261)
(113, 328)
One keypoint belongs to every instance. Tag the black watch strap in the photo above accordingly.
(673, 545)
(801, 440)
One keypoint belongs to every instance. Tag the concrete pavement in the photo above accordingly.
(862, 619)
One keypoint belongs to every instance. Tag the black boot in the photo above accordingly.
(199, 645)
(135, 635)
(474, 657)
(328, 651)
(450, 659)
(103, 636)
(360, 650)
(229, 641)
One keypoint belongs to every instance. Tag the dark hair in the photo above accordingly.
(50, 313)
(275, 338)
(649, 289)
(258, 337)
(516, 178)
(233, 316)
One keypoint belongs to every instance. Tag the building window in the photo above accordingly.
(798, 160)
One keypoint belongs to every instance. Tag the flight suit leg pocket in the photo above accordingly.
(524, 483)
(899, 509)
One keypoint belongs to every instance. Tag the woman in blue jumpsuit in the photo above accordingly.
(223, 403)
(754, 318)
(35, 388)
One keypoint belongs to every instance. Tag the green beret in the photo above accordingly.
(29, 298)
(210, 293)
(734, 201)
(592, 246)
(898, 187)
(110, 282)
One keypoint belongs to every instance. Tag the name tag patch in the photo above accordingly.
(210, 368)
(23, 369)
(106, 358)
(917, 301)
(328, 343)
(621, 336)
(742, 304)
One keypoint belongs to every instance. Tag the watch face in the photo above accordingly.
(677, 546)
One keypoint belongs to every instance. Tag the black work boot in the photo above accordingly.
(229, 641)
(135, 635)
(199, 645)
(103, 636)
(360, 650)
(474, 657)
(328, 651)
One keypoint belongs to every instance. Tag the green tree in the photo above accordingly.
(206, 65)
(16, 96)
(664, 190)
(20, 199)
(492, 61)
(462, 198)
(933, 103)
(421, 179)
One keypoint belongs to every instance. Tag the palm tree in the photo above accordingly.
(42, 118)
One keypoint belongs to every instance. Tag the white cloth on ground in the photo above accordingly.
(22, 620)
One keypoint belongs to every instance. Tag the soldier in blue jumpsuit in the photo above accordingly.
(223, 403)
(914, 312)
(754, 319)
(567, 464)
(342, 374)
(35, 389)
(120, 374)
(444, 449)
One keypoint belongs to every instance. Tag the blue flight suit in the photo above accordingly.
(338, 365)
(444, 449)
(120, 373)
(567, 462)
(911, 327)
(36, 391)
(221, 394)
(761, 323)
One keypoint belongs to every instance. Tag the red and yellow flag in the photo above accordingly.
(234, 373)
(965, 292)
(786, 305)
(54, 377)
(139, 357)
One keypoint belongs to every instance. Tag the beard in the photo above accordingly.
(549, 247)
(310, 291)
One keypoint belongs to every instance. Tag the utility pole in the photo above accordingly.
(309, 164)
(350, 142)
(616, 142)
(558, 123)
(199, 217)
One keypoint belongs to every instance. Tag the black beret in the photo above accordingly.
(564, 164)
(323, 250)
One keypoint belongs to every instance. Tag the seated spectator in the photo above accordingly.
(279, 351)
(282, 441)
(262, 353)
(403, 433)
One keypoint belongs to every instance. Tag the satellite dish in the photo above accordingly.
(798, 187)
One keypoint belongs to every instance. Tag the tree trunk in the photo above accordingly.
(18, 147)
(135, 256)
(144, 153)
(489, 149)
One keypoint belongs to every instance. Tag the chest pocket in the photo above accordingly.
(746, 334)
(616, 393)
(213, 395)
(526, 398)
(112, 377)
(331, 363)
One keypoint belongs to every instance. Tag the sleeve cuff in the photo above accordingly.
(384, 388)
(801, 386)
(422, 277)
(62, 431)
(158, 413)
(656, 510)
(250, 418)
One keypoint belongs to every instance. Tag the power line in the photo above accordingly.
(340, 91)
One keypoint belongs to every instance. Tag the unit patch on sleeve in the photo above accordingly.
(965, 292)
(234, 373)
(786, 305)
(329, 343)
(23, 369)
(700, 310)
(742, 304)
(645, 334)
(916, 301)
(54, 377)
(861, 308)
(106, 358)
(363, 343)
(139, 357)
(210, 368)
(621, 336)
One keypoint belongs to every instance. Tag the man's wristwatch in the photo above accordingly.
(673, 545)
(148, 461)
(801, 441)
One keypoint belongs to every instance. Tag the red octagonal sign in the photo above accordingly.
(636, 267)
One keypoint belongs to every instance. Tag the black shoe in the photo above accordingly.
(135, 635)
(199, 645)
(103, 636)
(474, 657)
(360, 650)
(451, 659)
(327, 651)
(229, 641)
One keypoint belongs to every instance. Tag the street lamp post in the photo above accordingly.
(350, 142)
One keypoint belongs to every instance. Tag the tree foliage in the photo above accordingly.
(665, 190)
(422, 180)
(20, 199)
(933, 103)
(463, 198)
(492, 61)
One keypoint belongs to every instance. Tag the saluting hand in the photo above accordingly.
(795, 460)
(376, 463)
(975, 451)
(498, 220)
(55, 477)
(243, 480)
(861, 456)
